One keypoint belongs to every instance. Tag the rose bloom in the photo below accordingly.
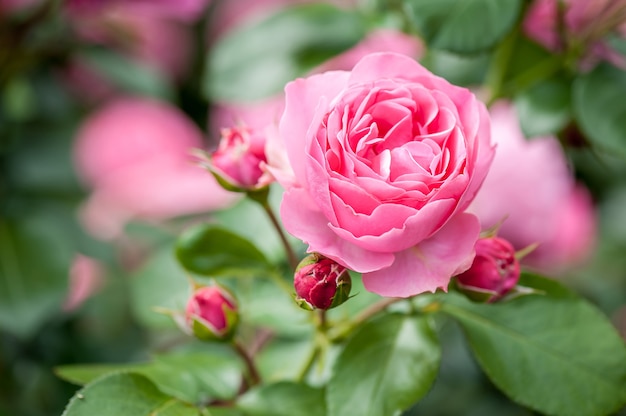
(384, 160)
(532, 189)
(135, 155)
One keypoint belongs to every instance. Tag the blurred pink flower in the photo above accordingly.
(584, 23)
(531, 187)
(86, 276)
(178, 9)
(17, 6)
(135, 154)
(148, 35)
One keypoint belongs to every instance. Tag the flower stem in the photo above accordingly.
(252, 373)
(291, 256)
(308, 364)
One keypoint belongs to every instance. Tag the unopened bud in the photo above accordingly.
(237, 161)
(211, 313)
(494, 272)
(321, 283)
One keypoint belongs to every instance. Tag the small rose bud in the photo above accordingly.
(238, 158)
(494, 272)
(211, 313)
(321, 283)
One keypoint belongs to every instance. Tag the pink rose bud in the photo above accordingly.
(321, 283)
(211, 313)
(238, 159)
(494, 272)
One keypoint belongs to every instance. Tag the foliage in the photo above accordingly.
(554, 349)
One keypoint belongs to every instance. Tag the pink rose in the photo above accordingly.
(385, 159)
(135, 154)
(531, 187)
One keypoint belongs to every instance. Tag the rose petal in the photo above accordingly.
(301, 106)
(429, 265)
(383, 65)
(303, 220)
(415, 229)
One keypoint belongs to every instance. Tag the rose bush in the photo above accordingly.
(384, 160)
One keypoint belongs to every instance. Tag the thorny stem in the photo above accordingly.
(253, 377)
(291, 256)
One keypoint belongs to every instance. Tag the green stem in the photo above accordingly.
(291, 256)
(499, 66)
(308, 364)
(252, 373)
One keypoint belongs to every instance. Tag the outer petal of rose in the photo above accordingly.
(302, 219)
(302, 99)
(429, 265)
(383, 65)
(480, 161)
(415, 229)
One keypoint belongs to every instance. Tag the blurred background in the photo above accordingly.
(102, 102)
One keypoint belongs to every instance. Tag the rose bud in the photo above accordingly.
(211, 313)
(321, 283)
(237, 161)
(494, 272)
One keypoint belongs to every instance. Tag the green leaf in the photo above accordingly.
(388, 365)
(257, 60)
(554, 353)
(34, 265)
(283, 399)
(210, 250)
(248, 220)
(544, 109)
(457, 69)
(191, 377)
(600, 107)
(463, 26)
(125, 394)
